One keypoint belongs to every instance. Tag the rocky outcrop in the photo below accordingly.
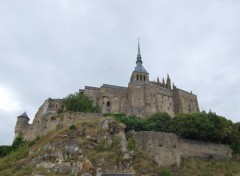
(88, 149)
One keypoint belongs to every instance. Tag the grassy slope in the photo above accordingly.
(210, 167)
(16, 163)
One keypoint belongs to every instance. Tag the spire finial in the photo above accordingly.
(138, 47)
(139, 57)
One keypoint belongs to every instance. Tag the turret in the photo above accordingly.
(163, 82)
(168, 83)
(22, 124)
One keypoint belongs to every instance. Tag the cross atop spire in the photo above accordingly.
(139, 57)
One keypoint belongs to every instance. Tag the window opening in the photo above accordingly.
(108, 103)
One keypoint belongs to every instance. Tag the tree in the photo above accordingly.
(79, 102)
(159, 121)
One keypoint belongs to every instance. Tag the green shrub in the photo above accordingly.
(164, 172)
(131, 144)
(18, 142)
(4, 150)
(101, 146)
(115, 146)
(197, 126)
(80, 103)
(72, 127)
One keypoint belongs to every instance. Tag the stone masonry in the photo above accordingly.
(142, 97)
(169, 149)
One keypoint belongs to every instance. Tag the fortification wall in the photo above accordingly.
(50, 122)
(190, 149)
(168, 149)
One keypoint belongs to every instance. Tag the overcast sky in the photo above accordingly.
(53, 48)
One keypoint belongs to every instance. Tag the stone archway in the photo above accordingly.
(115, 105)
(106, 104)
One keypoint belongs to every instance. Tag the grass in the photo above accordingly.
(16, 163)
(210, 167)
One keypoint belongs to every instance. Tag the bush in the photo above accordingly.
(101, 146)
(72, 127)
(197, 126)
(164, 172)
(18, 142)
(4, 150)
(79, 102)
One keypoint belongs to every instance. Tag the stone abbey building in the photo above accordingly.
(142, 97)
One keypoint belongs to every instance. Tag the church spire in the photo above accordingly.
(139, 57)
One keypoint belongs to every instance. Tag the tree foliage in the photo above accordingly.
(18, 142)
(197, 126)
(79, 102)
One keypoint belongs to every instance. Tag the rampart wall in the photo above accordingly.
(168, 149)
(50, 122)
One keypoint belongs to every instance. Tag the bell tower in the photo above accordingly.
(137, 87)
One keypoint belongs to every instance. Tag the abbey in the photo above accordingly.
(142, 97)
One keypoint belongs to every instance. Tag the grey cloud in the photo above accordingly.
(53, 48)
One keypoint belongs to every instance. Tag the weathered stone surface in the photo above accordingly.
(37, 174)
(168, 149)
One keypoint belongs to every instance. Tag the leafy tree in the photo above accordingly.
(4, 150)
(197, 126)
(158, 122)
(79, 102)
(18, 142)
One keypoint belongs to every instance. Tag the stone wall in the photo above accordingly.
(168, 149)
(50, 122)
(186, 102)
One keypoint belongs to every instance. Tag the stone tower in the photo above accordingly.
(22, 124)
(137, 86)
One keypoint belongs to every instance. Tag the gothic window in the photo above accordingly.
(137, 77)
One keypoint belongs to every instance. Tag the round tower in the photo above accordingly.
(22, 124)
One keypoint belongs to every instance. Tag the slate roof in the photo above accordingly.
(139, 68)
(113, 86)
(24, 115)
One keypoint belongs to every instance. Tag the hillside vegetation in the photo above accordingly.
(202, 126)
(90, 147)
(94, 146)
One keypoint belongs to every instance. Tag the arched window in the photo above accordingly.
(144, 78)
(140, 77)
(137, 77)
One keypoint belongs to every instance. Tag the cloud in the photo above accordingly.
(53, 48)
